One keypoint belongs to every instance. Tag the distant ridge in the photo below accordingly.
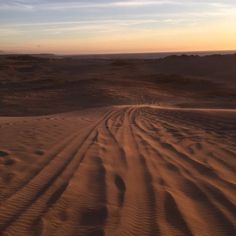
(108, 56)
(148, 55)
(29, 55)
(2, 52)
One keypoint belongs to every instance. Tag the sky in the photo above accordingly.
(116, 26)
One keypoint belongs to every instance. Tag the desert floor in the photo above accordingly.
(118, 158)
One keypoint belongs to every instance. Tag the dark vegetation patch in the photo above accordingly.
(3, 154)
(121, 62)
(9, 162)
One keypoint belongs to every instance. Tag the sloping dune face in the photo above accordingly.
(122, 170)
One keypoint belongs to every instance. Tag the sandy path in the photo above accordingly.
(135, 171)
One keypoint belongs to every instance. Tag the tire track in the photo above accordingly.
(137, 216)
(10, 210)
(136, 171)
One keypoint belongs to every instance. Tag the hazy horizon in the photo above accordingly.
(153, 54)
(117, 26)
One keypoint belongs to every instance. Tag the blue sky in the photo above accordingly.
(117, 25)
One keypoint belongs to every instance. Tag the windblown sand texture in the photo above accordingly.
(72, 167)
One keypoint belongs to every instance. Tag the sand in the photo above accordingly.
(136, 169)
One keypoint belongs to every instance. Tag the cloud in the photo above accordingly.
(53, 5)
(59, 5)
(148, 14)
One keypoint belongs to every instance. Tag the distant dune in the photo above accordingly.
(45, 85)
(126, 147)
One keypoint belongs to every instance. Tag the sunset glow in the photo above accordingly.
(111, 26)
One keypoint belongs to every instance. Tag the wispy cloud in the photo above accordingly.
(62, 5)
(32, 20)
(81, 4)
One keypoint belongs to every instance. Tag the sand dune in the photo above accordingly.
(39, 86)
(112, 147)
(122, 170)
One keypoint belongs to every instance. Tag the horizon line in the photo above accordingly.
(2, 52)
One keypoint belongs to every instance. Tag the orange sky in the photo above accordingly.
(117, 26)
